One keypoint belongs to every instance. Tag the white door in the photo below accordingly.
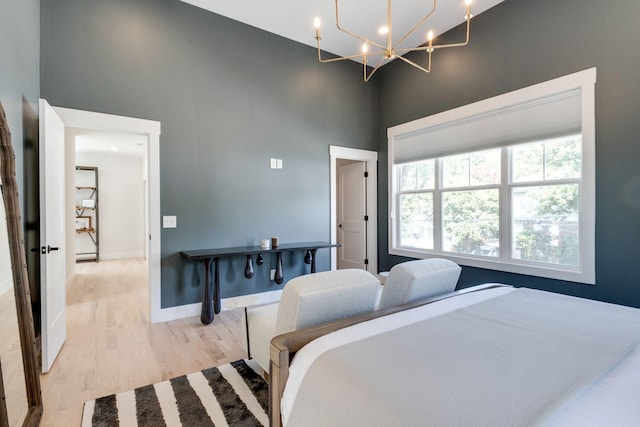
(52, 234)
(352, 227)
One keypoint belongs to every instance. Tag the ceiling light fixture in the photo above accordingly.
(392, 51)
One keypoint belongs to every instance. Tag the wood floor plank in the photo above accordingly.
(111, 346)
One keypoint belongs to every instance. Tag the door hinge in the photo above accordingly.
(366, 217)
(366, 262)
(366, 174)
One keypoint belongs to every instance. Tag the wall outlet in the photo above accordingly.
(273, 274)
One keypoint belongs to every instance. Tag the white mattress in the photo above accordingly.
(609, 401)
(305, 357)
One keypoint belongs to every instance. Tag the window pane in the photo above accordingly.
(545, 224)
(407, 176)
(528, 161)
(426, 174)
(563, 158)
(480, 168)
(417, 175)
(559, 158)
(416, 220)
(455, 171)
(471, 222)
(485, 167)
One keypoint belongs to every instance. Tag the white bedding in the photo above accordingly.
(610, 391)
(613, 401)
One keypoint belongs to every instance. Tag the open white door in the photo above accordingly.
(52, 234)
(352, 202)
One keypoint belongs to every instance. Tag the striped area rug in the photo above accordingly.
(229, 395)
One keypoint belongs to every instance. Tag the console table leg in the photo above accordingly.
(206, 314)
(313, 260)
(279, 276)
(246, 324)
(216, 288)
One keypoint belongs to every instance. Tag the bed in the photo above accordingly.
(487, 356)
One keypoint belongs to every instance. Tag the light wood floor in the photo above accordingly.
(112, 347)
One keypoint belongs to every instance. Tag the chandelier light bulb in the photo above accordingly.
(430, 40)
(316, 23)
(365, 48)
(383, 30)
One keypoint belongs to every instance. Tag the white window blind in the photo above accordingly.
(537, 119)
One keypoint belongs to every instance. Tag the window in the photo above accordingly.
(506, 184)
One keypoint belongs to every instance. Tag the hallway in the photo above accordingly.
(111, 347)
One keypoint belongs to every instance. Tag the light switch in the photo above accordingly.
(279, 164)
(169, 222)
(274, 163)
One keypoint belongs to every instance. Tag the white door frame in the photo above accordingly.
(371, 158)
(151, 129)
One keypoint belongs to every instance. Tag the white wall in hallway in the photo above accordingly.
(121, 203)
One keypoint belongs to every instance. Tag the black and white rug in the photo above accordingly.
(228, 395)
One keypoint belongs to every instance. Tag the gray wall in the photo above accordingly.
(229, 98)
(19, 67)
(520, 43)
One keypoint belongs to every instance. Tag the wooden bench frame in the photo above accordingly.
(284, 347)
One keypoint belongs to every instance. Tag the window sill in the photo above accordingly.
(584, 275)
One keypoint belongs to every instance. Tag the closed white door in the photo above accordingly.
(352, 226)
(52, 234)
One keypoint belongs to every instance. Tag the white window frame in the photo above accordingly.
(585, 271)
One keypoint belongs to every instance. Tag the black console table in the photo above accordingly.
(211, 297)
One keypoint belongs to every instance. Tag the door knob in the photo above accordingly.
(48, 249)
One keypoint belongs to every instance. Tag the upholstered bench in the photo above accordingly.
(306, 301)
(414, 280)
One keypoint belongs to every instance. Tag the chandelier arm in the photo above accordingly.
(415, 28)
(367, 77)
(362, 39)
(441, 46)
(343, 58)
(340, 58)
(389, 29)
(410, 62)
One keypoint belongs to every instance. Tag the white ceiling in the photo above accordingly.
(93, 141)
(293, 19)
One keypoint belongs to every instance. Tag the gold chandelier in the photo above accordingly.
(392, 51)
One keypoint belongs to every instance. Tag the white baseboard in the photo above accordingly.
(190, 310)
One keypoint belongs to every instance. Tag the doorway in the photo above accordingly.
(358, 237)
(150, 130)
